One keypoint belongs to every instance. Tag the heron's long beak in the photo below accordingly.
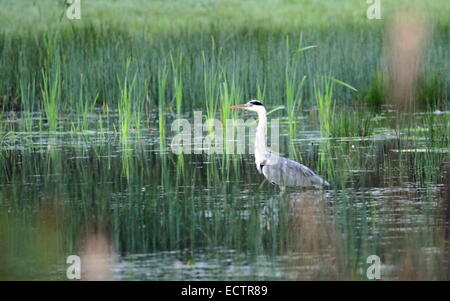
(244, 106)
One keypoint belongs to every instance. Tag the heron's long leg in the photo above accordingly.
(262, 184)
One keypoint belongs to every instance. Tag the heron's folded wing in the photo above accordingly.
(290, 173)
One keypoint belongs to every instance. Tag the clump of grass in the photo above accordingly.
(293, 101)
(51, 96)
(162, 90)
(430, 91)
(229, 94)
(86, 106)
(438, 129)
(376, 93)
(352, 123)
(27, 101)
(325, 103)
(27, 92)
(177, 71)
(342, 123)
(210, 85)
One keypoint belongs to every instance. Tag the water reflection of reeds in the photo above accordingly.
(388, 197)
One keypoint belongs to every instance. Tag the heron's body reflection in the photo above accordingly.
(310, 238)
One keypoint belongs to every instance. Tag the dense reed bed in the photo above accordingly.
(54, 68)
(85, 130)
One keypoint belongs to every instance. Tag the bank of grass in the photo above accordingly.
(200, 49)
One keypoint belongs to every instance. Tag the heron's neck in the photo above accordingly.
(260, 136)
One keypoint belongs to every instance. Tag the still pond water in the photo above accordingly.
(134, 212)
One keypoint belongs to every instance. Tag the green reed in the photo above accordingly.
(177, 72)
(125, 105)
(86, 107)
(293, 102)
(211, 80)
(51, 96)
(326, 104)
(162, 90)
(353, 123)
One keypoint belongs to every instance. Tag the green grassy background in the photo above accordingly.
(168, 15)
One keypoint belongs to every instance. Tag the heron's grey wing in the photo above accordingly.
(285, 172)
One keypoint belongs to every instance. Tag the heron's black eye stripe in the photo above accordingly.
(256, 103)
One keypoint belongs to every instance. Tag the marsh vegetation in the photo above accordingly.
(85, 130)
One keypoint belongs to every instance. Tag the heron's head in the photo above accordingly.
(252, 105)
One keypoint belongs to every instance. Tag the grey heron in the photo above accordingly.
(278, 170)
